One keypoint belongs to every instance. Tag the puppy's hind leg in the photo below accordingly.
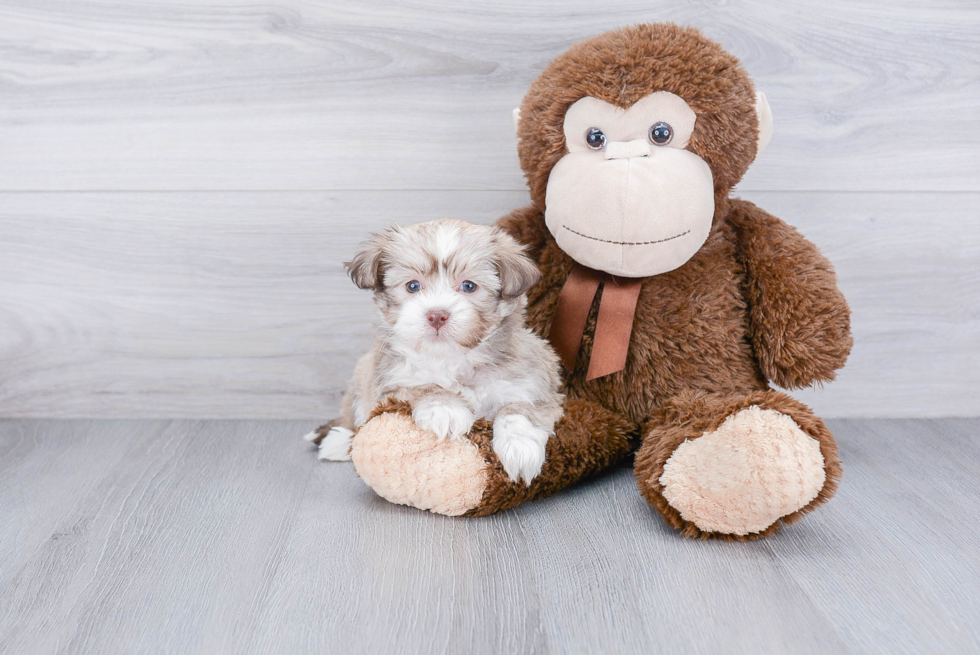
(335, 446)
(343, 422)
(334, 441)
(354, 409)
(334, 438)
(317, 436)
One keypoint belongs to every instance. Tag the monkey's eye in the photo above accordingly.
(595, 139)
(661, 134)
(467, 286)
(414, 286)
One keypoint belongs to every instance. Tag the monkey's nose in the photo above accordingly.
(627, 149)
(437, 318)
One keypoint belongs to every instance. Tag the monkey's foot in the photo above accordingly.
(736, 467)
(410, 466)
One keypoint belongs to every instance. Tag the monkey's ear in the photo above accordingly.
(516, 115)
(516, 270)
(765, 122)
(365, 268)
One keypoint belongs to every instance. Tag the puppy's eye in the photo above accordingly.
(467, 286)
(414, 286)
(661, 134)
(595, 139)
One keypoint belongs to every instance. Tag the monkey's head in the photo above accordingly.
(628, 139)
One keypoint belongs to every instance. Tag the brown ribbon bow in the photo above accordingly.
(613, 325)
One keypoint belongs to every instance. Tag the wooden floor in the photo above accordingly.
(226, 536)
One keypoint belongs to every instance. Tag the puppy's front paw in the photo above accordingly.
(445, 419)
(520, 446)
(335, 446)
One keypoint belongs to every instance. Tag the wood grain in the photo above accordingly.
(132, 562)
(236, 305)
(227, 536)
(179, 183)
(907, 510)
(166, 95)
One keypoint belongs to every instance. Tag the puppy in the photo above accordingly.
(452, 342)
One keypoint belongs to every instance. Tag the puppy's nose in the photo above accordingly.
(437, 318)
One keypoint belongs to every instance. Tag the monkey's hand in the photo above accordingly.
(799, 321)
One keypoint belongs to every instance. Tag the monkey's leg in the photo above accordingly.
(735, 466)
(464, 477)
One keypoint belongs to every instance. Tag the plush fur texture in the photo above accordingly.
(800, 323)
(404, 465)
(694, 414)
(757, 303)
(445, 477)
(740, 478)
(623, 66)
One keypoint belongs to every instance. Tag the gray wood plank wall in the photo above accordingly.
(179, 183)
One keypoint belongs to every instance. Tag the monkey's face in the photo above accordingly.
(628, 198)
(629, 138)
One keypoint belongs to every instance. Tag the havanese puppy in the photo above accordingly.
(451, 341)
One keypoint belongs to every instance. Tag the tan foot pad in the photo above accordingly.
(755, 468)
(410, 466)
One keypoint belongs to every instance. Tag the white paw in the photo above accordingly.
(450, 419)
(520, 446)
(310, 436)
(336, 445)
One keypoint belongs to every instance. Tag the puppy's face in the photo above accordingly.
(445, 284)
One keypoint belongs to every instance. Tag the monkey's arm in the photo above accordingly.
(799, 321)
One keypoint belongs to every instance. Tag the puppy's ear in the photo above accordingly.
(365, 268)
(517, 272)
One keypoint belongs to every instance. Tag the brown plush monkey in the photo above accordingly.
(672, 305)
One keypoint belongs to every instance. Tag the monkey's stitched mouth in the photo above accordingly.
(626, 243)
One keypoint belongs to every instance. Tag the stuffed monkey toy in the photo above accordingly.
(672, 305)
